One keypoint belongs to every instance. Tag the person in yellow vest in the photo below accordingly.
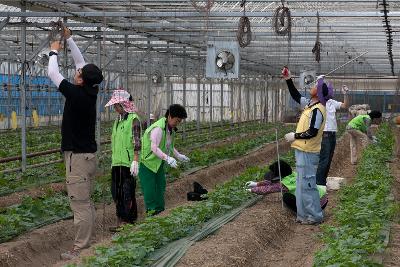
(307, 144)
(157, 150)
(359, 129)
(125, 145)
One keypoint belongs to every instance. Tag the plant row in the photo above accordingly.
(17, 181)
(364, 210)
(27, 220)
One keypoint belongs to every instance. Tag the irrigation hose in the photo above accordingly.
(282, 21)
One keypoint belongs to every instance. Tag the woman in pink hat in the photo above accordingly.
(125, 143)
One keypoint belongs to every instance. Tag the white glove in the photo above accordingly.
(172, 162)
(374, 139)
(248, 190)
(134, 168)
(289, 137)
(183, 158)
(251, 184)
(345, 89)
(320, 77)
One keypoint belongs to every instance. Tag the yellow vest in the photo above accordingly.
(312, 145)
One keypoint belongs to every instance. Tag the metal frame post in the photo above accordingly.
(198, 100)
(222, 102)
(184, 88)
(203, 115)
(248, 100)
(239, 108)
(98, 102)
(255, 100)
(231, 102)
(211, 104)
(23, 88)
(126, 63)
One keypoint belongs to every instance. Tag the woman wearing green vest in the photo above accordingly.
(359, 129)
(157, 148)
(272, 184)
(306, 142)
(125, 144)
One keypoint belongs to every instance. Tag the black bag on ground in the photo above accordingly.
(273, 174)
(197, 193)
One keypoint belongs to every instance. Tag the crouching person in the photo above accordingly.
(272, 184)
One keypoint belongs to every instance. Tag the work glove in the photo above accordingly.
(248, 190)
(251, 184)
(289, 137)
(345, 89)
(134, 168)
(172, 162)
(374, 139)
(183, 158)
(286, 73)
(320, 77)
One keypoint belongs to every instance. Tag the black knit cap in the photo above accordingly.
(375, 114)
(91, 75)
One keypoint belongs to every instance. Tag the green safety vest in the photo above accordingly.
(121, 141)
(358, 123)
(290, 182)
(147, 157)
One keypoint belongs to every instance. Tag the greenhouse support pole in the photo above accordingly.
(222, 102)
(203, 115)
(267, 101)
(148, 85)
(231, 102)
(239, 108)
(184, 88)
(9, 89)
(262, 101)
(98, 104)
(255, 99)
(167, 77)
(23, 106)
(248, 84)
(211, 104)
(198, 99)
(126, 64)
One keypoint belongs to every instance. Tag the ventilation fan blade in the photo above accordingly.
(220, 63)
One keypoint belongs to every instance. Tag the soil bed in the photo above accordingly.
(266, 235)
(43, 246)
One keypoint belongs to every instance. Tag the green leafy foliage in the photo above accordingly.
(135, 242)
(32, 213)
(363, 211)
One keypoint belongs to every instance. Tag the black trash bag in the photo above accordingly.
(198, 193)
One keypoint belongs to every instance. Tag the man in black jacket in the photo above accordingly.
(78, 142)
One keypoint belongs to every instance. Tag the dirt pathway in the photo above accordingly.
(43, 246)
(266, 235)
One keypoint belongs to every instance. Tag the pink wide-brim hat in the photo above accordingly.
(118, 96)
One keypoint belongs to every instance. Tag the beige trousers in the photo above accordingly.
(80, 173)
(356, 138)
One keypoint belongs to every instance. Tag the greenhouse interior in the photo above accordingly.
(199, 133)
